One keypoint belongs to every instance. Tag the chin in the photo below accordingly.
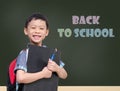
(36, 43)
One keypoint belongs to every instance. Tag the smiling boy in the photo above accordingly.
(37, 29)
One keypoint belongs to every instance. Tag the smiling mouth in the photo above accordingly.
(36, 36)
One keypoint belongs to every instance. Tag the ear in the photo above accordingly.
(47, 32)
(25, 31)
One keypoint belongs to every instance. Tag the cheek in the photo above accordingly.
(44, 33)
(29, 32)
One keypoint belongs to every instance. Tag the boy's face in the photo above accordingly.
(36, 31)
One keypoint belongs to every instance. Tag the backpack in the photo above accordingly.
(11, 79)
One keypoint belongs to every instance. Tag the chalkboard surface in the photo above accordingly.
(86, 32)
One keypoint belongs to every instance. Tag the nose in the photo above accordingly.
(37, 30)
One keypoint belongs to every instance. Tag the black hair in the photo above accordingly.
(36, 16)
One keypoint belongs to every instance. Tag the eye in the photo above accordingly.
(41, 28)
(33, 27)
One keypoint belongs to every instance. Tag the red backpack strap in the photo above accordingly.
(11, 71)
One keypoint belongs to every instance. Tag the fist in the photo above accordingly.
(46, 73)
(52, 66)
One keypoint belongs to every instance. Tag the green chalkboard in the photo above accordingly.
(87, 33)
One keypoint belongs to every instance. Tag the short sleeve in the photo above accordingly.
(21, 61)
(62, 64)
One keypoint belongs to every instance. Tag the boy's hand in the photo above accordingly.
(46, 73)
(52, 66)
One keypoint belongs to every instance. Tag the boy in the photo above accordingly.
(37, 28)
